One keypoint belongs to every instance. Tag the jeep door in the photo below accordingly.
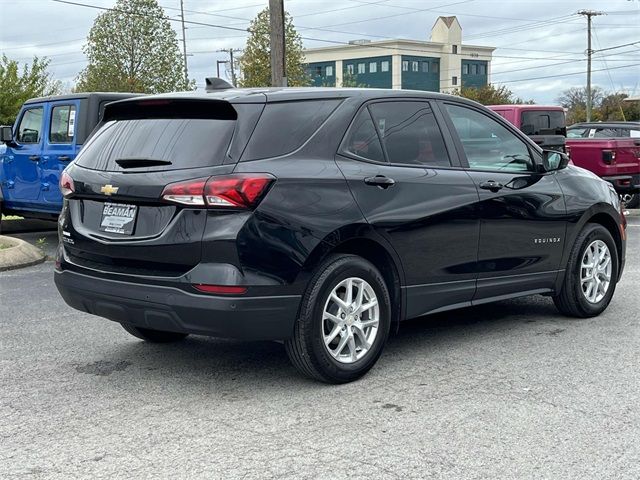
(522, 210)
(59, 149)
(405, 176)
(22, 187)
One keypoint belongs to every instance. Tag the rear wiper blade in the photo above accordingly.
(141, 162)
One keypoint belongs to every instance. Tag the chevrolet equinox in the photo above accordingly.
(322, 217)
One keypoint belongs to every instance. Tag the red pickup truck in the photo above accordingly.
(611, 151)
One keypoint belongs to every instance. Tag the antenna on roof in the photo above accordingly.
(214, 83)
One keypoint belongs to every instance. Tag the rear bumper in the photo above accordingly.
(625, 183)
(175, 310)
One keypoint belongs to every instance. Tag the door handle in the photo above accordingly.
(34, 158)
(64, 158)
(491, 185)
(380, 181)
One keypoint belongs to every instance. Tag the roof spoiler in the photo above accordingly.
(215, 83)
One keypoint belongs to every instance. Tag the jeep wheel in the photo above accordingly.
(343, 323)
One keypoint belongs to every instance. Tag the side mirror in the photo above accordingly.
(553, 160)
(6, 134)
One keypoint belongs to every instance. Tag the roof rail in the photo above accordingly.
(215, 83)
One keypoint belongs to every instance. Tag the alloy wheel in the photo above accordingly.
(350, 320)
(595, 271)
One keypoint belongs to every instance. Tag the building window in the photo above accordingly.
(384, 66)
(318, 71)
(373, 67)
(465, 69)
(454, 49)
(350, 69)
(454, 80)
(414, 66)
(425, 67)
(405, 66)
(474, 69)
(482, 70)
(361, 68)
(329, 71)
(435, 66)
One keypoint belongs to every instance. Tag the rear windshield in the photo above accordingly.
(175, 143)
(542, 122)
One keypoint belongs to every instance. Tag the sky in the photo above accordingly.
(541, 38)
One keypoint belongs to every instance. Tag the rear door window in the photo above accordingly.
(62, 125)
(542, 122)
(286, 126)
(362, 140)
(177, 143)
(410, 133)
(30, 127)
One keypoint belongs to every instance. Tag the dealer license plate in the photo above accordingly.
(118, 218)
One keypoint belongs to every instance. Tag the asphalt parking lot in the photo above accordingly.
(509, 390)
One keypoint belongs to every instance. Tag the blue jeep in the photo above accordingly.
(47, 135)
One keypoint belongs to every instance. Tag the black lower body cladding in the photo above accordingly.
(176, 310)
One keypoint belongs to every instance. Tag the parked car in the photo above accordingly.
(604, 130)
(321, 217)
(612, 151)
(47, 135)
(545, 125)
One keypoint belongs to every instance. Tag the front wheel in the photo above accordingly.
(154, 336)
(344, 321)
(591, 274)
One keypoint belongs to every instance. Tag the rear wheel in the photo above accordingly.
(591, 274)
(155, 336)
(630, 200)
(343, 323)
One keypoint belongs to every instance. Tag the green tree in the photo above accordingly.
(20, 84)
(132, 48)
(490, 95)
(255, 62)
(575, 101)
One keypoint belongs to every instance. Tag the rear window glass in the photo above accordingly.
(184, 142)
(542, 122)
(286, 126)
(363, 140)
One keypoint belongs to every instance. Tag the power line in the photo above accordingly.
(568, 74)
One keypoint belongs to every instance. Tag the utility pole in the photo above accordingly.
(184, 43)
(232, 65)
(589, 14)
(278, 63)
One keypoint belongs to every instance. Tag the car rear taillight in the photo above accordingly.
(67, 188)
(220, 289)
(243, 190)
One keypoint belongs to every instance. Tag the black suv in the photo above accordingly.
(321, 217)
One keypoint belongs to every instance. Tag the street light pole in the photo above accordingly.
(184, 44)
(589, 14)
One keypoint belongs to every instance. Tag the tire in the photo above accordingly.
(154, 336)
(631, 200)
(572, 300)
(306, 348)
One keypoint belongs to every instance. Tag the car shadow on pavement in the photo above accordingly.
(221, 363)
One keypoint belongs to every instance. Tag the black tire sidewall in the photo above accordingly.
(353, 267)
(593, 233)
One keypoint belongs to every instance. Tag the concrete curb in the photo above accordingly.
(19, 254)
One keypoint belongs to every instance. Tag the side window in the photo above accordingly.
(285, 126)
(487, 144)
(30, 126)
(410, 133)
(363, 139)
(63, 122)
(604, 132)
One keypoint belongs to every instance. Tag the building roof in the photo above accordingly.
(447, 20)
(398, 43)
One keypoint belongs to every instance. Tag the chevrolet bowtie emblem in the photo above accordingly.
(109, 189)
